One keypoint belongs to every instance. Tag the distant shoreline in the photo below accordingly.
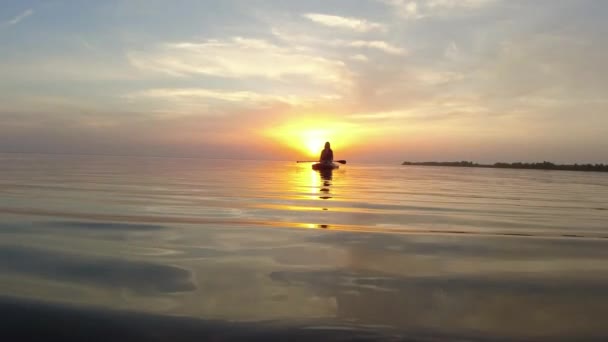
(525, 166)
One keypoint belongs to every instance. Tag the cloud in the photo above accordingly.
(239, 58)
(378, 45)
(409, 9)
(308, 42)
(458, 3)
(417, 9)
(240, 97)
(16, 20)
(355, 24)
(359, 57)
(67, 68)
(442, 108)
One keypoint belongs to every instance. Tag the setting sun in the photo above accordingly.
(304, 138)
(314, 141)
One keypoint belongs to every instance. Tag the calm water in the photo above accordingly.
(481, 253)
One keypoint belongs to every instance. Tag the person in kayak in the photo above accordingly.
(327, 155)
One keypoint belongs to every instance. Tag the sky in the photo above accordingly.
(382, 80)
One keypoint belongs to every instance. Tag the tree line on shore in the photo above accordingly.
(545, 165)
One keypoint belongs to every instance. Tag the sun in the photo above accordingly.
(313, 142)
(313, 147)
(308, 139)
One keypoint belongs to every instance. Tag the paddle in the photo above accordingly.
(316, 161)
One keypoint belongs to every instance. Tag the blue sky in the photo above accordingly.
(384, 80)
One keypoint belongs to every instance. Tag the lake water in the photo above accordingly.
(402, 250)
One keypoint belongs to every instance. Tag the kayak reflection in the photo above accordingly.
(326, 177)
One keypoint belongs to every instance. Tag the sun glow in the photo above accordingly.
(304, 138)
(314, 142)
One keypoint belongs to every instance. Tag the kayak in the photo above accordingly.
(325, 166)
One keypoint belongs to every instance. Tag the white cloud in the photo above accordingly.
(411, 10)
(359, 57)
(379, 45)
(239, 58)
(432, 77)
(396, 114)
(359, 25)
(441, 108)
(303, 42)
(458, 3)
(188, 101)
(247, 97)
(16, 20)
(405, 9)
(417, 9)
